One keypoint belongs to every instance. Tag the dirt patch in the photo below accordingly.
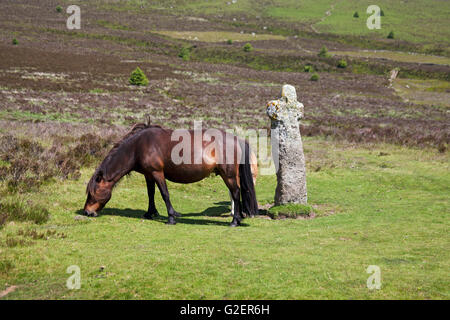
(7, 291)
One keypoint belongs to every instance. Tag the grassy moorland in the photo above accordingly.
(377, 205)
(377, 151)
(417, 21)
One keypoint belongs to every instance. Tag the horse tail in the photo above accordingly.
(248, 194)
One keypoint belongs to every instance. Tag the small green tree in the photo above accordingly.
(356, 14)
(15, 42)
(342, 64)
(185, 53)
(138, 78)
(314, 77)
(229, 41)
(59, 9)
(391, 35)
(323, 53)
(248, 47)
(307, 68)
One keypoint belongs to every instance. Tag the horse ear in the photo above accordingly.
(99, 176)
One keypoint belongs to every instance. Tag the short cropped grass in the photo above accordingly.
(393, 209)
(417, 21)
(395, 56)
(427, 92)
(218, 36)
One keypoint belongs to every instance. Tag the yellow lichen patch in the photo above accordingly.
(217, 36)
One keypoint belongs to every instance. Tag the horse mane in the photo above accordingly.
(138, 127)
(135, 129)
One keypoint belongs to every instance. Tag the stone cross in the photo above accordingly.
(287, 148)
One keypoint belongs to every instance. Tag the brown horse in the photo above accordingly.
(153, 152)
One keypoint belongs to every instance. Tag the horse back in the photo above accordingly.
(184, 156)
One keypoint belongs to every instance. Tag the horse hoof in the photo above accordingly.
(92, 214)
(177, 214)
(147, 216)
(151, 215)
(235, 224)
(171, 223)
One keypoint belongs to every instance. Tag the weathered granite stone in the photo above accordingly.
(287, 148)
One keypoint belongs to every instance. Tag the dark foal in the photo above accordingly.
(153, 152)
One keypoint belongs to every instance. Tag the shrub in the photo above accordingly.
(185, 53)
(17, 210)
(291, 210)
(12, 241)
(3, 219)
(15, 42)
(248, 47)
(5, 266)
(138, 78)
(323, 53)
(58, 9)
(28, 164)
(229, 41)
(97, 91)
(342, 63)
(314, 77)
(382, 13)
(307, 68)
(356, 14)
(391, 35)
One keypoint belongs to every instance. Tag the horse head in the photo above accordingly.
(98, 194)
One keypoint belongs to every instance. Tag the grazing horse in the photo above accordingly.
(154, 152)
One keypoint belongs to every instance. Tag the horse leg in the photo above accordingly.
(232, 203)
(236, 200)
(151, 212)
(162, 186)
(237, 216)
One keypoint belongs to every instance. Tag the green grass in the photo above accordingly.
(32, 116)
(418, 22)
(395, 56)
(414, 21)
(98, 91)
(298, 11)
(427, 92)
(114, 26)
(392, 212)
(290, 210)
